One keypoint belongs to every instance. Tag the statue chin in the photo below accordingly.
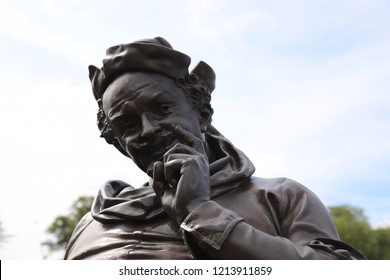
(146, 167)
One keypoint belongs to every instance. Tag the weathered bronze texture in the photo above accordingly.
(201, 201)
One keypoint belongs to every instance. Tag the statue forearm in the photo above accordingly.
(218, 233)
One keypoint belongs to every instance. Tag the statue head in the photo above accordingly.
(143, 90)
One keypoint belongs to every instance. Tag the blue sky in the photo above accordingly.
(302, 89)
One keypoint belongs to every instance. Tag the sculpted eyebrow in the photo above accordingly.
(120, 114)
(119, 117)
(161, 94)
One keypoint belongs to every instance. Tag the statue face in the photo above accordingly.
(143, 109)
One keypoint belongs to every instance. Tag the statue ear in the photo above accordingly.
(206, 114)
(106, 131)
(206, 75)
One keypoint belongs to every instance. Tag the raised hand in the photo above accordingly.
(182, 180)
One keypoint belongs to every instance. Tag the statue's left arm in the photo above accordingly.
(306, 230)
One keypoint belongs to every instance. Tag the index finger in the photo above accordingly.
(187, 138)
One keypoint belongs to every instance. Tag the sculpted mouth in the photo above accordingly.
(159, 154)
(150, 153)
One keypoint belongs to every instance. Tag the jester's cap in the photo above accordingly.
(149, 55)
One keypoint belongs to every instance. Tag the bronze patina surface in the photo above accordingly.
(201, 201)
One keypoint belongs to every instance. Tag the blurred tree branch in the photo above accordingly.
(62, 227)
(353, 227)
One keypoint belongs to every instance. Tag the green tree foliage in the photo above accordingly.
(353, 228)
(62, 227)
(382, 236)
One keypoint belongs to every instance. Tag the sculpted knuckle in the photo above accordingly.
(195, 162)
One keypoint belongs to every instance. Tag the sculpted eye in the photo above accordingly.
(165, 109)
(130, 127)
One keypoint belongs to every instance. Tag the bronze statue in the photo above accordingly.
(202, 201)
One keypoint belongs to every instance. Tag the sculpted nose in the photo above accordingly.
(149, 126)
